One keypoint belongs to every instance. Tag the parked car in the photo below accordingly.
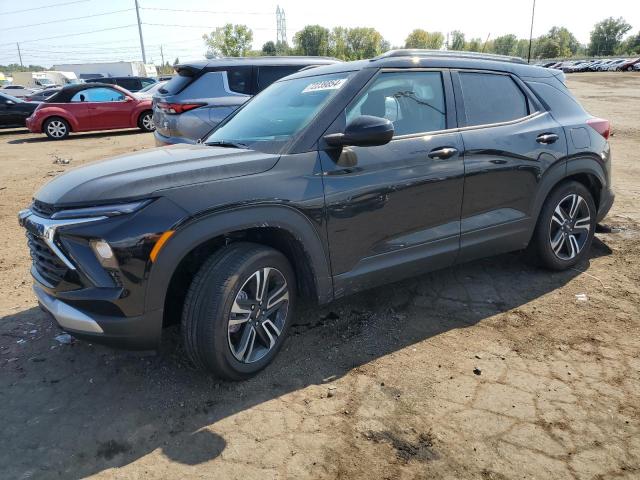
(132, 84)
(331, 180)
(18, 91)
(627, 66)
(14, 111)
(89, 107)
(616, 64)
(203, 93)
(150, 90)
(42, 95)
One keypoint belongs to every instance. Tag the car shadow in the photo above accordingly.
(75, 410)
(13, 131)
(77, 136)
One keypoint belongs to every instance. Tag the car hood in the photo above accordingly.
(148, 172)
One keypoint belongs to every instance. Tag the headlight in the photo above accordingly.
(101, 211)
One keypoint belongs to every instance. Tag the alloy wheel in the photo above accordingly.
(258, 315)
(570, 225)
(147, 122)
(57, 128)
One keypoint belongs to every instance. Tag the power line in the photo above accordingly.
(205, 11)
(198, 26)
(74, 34)
(70, 19)
(44, 6)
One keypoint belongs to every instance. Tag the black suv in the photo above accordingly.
(332, 180)
(133, 84)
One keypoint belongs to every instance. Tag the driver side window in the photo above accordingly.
(413, 101)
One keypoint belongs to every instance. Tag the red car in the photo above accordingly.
(90, 107)
(628, 65)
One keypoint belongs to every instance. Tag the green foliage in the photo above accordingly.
(229, 41)
(557, 43)
(363, 42)
(312, 40)
(269, 48)
(474, 45)
(505, 45)
(422, 39)
(631, 46)
(283, 48)
(457, 40)
(15, 67)
(606, 36)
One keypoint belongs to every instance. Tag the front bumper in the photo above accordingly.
(131, 333)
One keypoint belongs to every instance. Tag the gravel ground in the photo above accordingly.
(490, 370)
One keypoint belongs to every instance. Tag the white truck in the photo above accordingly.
(45, 79)
(109, 69)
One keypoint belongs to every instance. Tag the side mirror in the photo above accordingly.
(363, 131)
(128, 99)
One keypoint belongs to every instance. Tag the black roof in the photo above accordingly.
(407, 58)
(66, 93)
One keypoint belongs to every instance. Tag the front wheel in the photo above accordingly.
(237, 311)
(145, 122)
(565, 228)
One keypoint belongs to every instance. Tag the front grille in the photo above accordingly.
(47, 264)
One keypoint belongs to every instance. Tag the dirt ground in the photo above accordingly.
(490, 370)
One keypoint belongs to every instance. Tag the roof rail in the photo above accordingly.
(418, 52)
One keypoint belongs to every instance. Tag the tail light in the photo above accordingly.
(600, 125)
(176, 108)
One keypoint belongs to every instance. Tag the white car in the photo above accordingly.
(149, 91)
(18, 91)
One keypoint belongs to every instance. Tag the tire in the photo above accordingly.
(56, 128)
(145, 121)
(236, 345)
(561, 240)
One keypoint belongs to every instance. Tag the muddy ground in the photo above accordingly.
(491, 370)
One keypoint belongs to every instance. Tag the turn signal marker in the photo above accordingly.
(159, 244)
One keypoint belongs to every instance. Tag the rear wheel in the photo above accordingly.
(56, 128)
(145, 122)
(237, 311)
(565, 227)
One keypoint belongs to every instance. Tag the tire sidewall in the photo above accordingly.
(543, 244)
(221, 351)
(46, 123)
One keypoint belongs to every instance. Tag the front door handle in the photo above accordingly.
(547, 138)
(442, 153)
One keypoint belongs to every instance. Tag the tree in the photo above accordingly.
(176, 61)
(363, 42)
(606, 36)
(269, 48)
(422, 39)
(229, 41)
(522, 48)
(558, 42)
(312, 40)
(505, 45)
(457, 40)
(547, 47)
(631, 46)
(474, 45)
(338, 43)
(282, 48)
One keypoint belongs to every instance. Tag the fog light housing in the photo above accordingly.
(104, 253)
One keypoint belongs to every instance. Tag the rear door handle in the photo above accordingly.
(547, 138)
(442, 153)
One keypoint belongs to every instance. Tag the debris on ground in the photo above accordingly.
(477, 371)
(65, 339)
(581, 297)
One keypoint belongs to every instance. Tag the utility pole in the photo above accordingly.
(162, 56)
(19, 54)
(533, 12)
(144, 56)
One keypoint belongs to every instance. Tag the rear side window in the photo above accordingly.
(178, 82)
(239, 79)
(129, 83)
(269, 74)
(491, 98)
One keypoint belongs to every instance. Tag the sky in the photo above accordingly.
(58, 31)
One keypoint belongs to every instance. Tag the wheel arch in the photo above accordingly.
(73, 124)
(281, 227)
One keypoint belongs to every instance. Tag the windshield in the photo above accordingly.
(273, 117)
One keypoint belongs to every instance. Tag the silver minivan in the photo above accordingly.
(204, 93)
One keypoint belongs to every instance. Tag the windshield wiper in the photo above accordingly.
(226, 144)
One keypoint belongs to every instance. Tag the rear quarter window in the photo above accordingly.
(491, 98)
(557, 98)
(178, 82)
(271, 73)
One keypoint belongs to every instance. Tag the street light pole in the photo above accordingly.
(144, 56)
(533, 12)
